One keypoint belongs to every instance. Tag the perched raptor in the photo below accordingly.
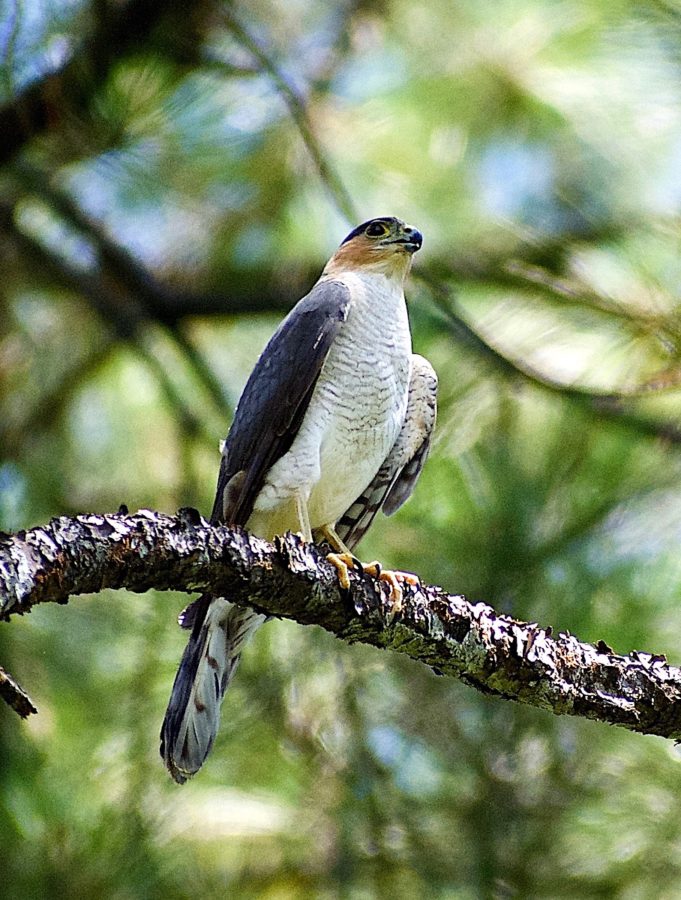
(334, 424)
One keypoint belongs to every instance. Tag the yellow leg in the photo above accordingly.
(328, 532)
(343, 559)
(303, 518)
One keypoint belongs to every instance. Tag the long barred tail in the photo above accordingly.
(220, 631)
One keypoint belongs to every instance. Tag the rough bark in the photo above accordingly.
(493, 653)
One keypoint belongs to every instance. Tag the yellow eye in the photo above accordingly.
(377, 229)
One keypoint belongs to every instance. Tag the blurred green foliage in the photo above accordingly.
(152, 231)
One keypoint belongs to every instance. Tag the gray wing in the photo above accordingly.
(276, 397)
(395, 480)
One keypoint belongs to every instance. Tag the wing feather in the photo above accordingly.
(276, 397)
(266, 422)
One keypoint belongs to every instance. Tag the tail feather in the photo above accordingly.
(220, 631)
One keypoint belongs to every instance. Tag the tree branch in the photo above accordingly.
(612, 405)
(493, 653)
(15, 696)
(298, 110)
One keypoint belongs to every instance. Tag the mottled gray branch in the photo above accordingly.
(493, 653)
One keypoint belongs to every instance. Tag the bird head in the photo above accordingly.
(384, 245)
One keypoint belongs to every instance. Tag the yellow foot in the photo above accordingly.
(343, 563)
(395, 580)
(346, 561)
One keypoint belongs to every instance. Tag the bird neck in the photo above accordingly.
(374, 294)
(392, 266)
(368, 280)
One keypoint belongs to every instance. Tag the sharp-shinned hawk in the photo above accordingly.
(333, 425)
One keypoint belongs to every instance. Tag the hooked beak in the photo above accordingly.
(411, 239)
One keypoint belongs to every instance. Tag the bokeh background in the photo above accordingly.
(172, 178)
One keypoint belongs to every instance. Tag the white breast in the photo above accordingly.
(354, 416)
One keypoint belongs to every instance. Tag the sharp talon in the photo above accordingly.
(398, 579)
(395, 580)
(408, 578)
(343, 562)
(396, 592)
(373, 568)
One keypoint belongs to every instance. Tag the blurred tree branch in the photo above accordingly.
(289, 578)
(65, 95)
(607, 405)
(14, 696)
(118, 308)
(298, 110)
(119, 288)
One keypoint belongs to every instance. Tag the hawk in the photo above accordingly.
(333, 425)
